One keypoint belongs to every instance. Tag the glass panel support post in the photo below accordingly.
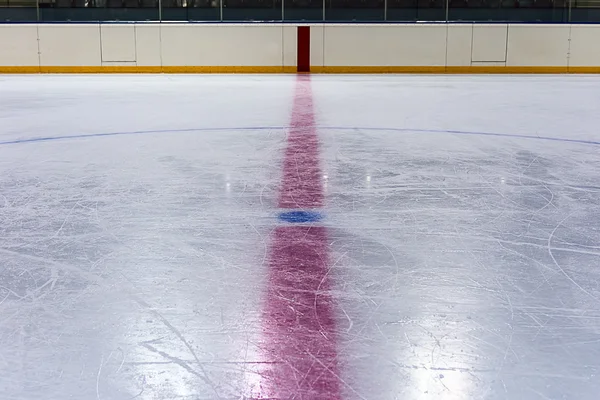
(385, 5)
(447, 10)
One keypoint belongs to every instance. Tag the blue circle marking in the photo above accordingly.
(300, 216)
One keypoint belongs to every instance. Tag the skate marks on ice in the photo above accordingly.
(461, 265)
(133, 271)
(475, 270)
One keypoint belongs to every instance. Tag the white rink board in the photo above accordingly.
(542, 45)
(208, 45)
(387, 45)
(424, 46)
(18, 45)
(70, 45)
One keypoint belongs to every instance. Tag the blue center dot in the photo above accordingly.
(300, 216)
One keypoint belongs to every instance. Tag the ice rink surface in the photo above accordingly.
(456, 255)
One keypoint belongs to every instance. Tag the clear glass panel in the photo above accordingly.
(303, 10)
(252, 10)
(18, 11)
(508, 10)
(191, 10)
(355, 10)
(99, 10)
(585, 11)
(578, 11)
(416, 10)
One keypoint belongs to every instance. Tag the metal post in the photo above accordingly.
(385, 10)
(282, 10)
(221, 9)
(570, 5)
(160, 10)
(324, 10)
(447, 9)
(37, 10)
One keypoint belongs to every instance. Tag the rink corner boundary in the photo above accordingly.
(293, 70)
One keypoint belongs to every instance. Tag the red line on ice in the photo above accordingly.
(299, 326)
(301, 185)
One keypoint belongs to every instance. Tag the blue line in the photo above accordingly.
(92, 135)
(265, 128)
(455, 132)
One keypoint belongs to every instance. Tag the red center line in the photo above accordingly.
(301, 183)
(298, 317)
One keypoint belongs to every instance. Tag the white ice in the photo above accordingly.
(465, 265)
